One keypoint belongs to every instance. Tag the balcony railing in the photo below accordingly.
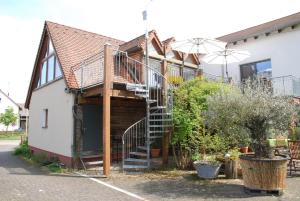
(286, 86)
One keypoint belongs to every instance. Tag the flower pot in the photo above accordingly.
(264, 174)
(205, 170)
(155, 153)
(244, 150)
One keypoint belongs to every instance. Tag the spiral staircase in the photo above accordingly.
(148, 83)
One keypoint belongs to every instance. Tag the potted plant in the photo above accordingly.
(244, 147)
(155, 149)
(256, 110)
(207, 166)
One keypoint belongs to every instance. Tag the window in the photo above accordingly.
(45, 118)
(44, 73)
(262, 69)
(50, 48)
(57, 69)
(50, 69)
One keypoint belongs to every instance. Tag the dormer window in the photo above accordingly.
(50, 68)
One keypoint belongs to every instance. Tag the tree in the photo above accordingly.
(255, 110)
(8, 117)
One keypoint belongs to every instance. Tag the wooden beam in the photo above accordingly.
(95, 91)
(124, 94)
(89, 101)
(108, 63)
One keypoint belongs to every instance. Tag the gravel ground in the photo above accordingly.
(186, 186)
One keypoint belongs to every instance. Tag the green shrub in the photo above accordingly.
(189, 126)
(54, 167)
(23, 150)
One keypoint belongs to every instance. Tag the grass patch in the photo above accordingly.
(42, 160)
(11, 135)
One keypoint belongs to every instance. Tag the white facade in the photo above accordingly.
(57, 136)
(281, 48)
(6, 102)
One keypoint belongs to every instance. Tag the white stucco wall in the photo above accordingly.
(282, 48)
(4, 104)
(58, 136)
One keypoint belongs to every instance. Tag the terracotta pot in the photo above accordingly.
(244, 150)
(264, 174)
(155, 153)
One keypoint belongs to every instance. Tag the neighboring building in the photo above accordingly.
(84, 95)
(23, 116)
(274, 48)
(7, 102)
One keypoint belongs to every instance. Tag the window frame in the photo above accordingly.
(253, 63)
(45, 118)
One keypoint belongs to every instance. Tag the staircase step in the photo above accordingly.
(156, 132)
(142, 148)
(135, 167)
(130, 86)
(93, 163)
(156, 136)
(152, 101)
(158, 107)
(159, 126)
(160, 114)
(160, 120)
(138, 154)
(135, 160)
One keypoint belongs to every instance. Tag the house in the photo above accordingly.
(23, 117)
(8, 102)
(93, 97)
(273, 48)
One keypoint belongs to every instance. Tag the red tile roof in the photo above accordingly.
(73, 46)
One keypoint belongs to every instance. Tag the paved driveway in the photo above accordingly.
(20, 181)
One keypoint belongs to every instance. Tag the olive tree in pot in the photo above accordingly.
(255, 110)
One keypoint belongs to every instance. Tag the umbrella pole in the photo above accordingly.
(226, 67)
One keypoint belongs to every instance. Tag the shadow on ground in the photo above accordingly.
(188, 187)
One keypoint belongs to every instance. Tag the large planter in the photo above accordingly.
(205, 170)
(231, 169)
(264, 174)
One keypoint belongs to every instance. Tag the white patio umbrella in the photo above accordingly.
(226, 56)
(198, 46)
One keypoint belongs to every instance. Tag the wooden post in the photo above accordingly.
(108, 63)
(165, 140)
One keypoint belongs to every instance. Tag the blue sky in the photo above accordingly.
(22, 23)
